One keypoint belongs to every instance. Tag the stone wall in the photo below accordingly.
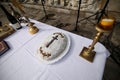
(86, 5)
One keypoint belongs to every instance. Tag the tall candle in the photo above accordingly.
(107, 23)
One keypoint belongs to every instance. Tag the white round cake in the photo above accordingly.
(53, 46)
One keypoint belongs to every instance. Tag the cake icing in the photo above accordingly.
(53, 46)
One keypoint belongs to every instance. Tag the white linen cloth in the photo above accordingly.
(21, 63)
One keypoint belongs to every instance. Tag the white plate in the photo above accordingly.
(60, 56)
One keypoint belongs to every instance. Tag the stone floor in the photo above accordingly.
(85, 28)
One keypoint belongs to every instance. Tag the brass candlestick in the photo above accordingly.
(32, 29)
(104, 26)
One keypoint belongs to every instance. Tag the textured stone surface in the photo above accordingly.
(68, 4)
(112, 71)
(116, 35)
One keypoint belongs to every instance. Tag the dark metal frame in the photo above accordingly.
(43, 2)
(98, 14)
(78, 14)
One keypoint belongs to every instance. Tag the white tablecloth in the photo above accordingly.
(20, 62)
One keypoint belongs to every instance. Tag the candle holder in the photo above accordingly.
(32, 29)
(104, 26)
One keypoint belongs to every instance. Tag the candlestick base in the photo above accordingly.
(87, 55)
(32, 29)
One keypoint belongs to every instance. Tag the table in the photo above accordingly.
(20, 62)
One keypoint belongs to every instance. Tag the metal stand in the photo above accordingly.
(98, 14)
(78, 15)
(43, 2)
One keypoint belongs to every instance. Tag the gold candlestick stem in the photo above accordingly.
(95, 40)
(20, 7)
